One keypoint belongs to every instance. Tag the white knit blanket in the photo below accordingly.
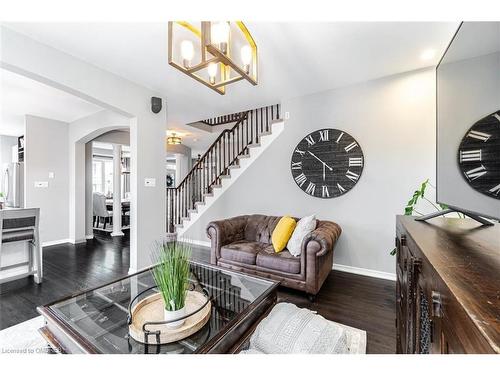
(289, 329)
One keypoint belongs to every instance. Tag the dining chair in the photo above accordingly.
(100, 210)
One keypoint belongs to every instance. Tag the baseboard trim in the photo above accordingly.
(196, 242)
(365, 272)
(56, 242)
(76, 242)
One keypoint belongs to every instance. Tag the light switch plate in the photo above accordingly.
(41, 184)
(150, 182)
(287, 115)
(51, 174)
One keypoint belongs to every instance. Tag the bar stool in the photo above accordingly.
(21, 225)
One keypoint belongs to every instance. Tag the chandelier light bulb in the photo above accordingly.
(187, 52)
(246, 57)
(220, 35)
(212, 72)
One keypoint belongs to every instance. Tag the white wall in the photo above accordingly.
(48, 65)
(393, 121)
(46, 150)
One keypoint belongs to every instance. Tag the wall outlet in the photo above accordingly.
(41, 184)
(51, 175)
(150, 182)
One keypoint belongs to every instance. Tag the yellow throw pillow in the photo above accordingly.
(282, 233)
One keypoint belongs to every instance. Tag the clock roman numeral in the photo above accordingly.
(323, 135)
(301, 153)
(350, 146)
(311, 188)
(495, 190)
(352, 176)
(340, 136)
(310, 140)
(300, 179)
(355, 162)
(476, 173)
(325, 192)
(473, 155)
(341, 189)
(479, 135)
(497, 116)
(297, 165)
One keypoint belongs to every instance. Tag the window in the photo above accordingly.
(102, 176)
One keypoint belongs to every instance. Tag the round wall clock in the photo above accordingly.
(479, 155)
(327, 163)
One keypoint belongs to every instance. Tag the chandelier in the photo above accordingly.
(173, 139)
(215, 54)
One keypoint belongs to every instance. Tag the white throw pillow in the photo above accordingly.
(305, 226)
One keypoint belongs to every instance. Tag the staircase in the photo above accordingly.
(232, 150)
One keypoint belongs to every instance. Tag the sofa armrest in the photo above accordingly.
(322, 239)
(224, 232)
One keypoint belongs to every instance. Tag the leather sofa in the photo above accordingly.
(243, 243)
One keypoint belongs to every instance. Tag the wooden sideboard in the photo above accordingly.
(448, 286)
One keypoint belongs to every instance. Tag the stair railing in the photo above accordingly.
(215, 164)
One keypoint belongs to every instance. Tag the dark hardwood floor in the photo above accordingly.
(358, 301)
(67, 269)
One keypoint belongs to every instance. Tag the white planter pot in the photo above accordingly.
(170, 315)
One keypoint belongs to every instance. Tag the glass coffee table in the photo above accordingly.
(95, 321)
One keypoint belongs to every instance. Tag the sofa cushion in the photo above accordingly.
(282, 261)
(282, 233)
(305, 226)
(242, 251)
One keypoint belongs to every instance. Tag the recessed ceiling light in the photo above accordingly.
(428, 54)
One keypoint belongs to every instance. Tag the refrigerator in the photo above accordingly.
(13, 185)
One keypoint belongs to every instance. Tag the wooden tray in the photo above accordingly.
(150, 309)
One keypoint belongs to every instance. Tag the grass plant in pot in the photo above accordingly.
(171, 275)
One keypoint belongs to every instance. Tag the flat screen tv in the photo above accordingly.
(468, 121)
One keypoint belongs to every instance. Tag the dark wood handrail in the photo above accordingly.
(225, 119)
(221, 156)
(221, 135)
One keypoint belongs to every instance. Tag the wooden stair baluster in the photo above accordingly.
(213, 166)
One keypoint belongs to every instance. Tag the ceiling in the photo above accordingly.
(294, 59)
(20, 96)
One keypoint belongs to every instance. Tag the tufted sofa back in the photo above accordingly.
(260, 228)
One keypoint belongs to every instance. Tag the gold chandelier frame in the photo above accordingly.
(211, 53)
